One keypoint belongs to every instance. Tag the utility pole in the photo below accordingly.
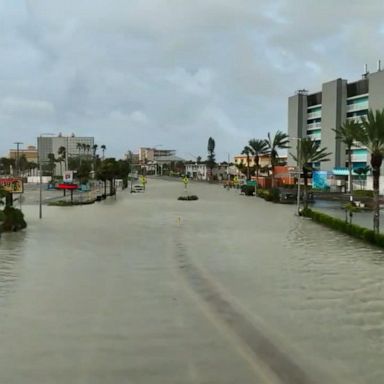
(17, 157)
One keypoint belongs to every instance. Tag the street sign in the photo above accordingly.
(12, 184)
(185, 180)
(68, 177)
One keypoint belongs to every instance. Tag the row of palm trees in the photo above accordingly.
(369, 132)
(86, 149)
(269, 146)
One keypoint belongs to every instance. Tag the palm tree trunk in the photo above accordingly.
(376, 202)
(305, 175)
(350, 172)
(247, 167)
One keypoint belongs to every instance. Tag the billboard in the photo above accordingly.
(68, 177)
(12, 184)
(320, 180)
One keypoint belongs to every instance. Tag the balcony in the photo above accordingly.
(314, 115)
(313, 126)
(357, 106)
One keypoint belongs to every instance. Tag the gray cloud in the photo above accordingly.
(173, 72)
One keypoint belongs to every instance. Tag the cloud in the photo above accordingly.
(141, 72)
(28, 108)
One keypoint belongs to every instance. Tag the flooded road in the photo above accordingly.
(227, 289)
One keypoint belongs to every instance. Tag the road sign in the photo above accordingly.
(12, 184)
(68, 177)
(185, 180)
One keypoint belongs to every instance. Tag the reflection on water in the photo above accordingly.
(11, 249)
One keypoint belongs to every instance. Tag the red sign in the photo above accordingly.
(67, 186)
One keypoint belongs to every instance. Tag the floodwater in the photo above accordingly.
(227, 289)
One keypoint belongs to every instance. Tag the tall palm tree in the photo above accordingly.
(88, 149)
(308, 153)
(62, 152)
(248, 152)
(373, 138)
(350, 134)
(103, 148)
(279, 141)
(258, 148)
(211, 161)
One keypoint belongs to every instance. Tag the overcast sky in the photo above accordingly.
(171, 73)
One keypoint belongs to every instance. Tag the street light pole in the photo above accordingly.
(17, 157)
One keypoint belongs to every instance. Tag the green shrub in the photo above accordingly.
(341, 226)
(362, 193)
(13, 219)
(189, 197)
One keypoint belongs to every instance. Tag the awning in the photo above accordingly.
(343, 171)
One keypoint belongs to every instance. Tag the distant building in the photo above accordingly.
(51, 144)
(30, 153)
(264, 160)
(151, 154)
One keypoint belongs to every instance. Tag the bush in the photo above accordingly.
(189, 197)
(350, 229)
(362, 193)
(13, 219)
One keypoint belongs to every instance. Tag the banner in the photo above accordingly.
(12, 184)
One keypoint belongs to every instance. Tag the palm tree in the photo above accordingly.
(88, 149)
(373, 138)
(103, 148)
(247, 151)
(309, 153)
(62, 152)
(279, 141)
(258, 148)
(350, 134)
(211, 161)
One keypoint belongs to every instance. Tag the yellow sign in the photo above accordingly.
(143, 180)
(185, 180)
(235, 180)
(12, 184)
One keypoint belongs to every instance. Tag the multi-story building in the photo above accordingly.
(152, 154)
(316, 115)
(51, 144)
(30, 153)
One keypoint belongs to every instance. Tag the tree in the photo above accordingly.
(373, 138)
(308, 153)
(247, 151)
(51, 163)
(211, 161)
(103, 148)
(362, 173)
(62, 152)
(279, 141)
(79, 147)
(350, 134)
(258, 148)
(108, 171)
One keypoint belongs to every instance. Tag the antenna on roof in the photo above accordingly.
(302, 92)
(378, 65)
(366, 73)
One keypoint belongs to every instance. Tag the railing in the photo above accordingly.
(357, 106)
(314, 115)
(313, 126)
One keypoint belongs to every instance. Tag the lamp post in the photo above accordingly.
(299, 171)
(17, 157)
